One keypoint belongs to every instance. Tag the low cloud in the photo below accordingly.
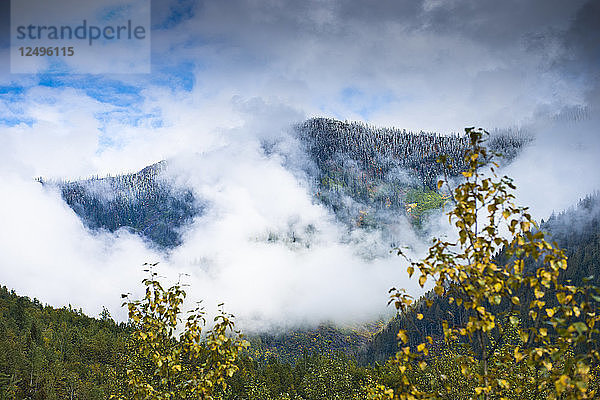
(228, 77)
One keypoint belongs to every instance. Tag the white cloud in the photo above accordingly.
(255, 71)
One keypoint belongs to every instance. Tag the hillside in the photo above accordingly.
(326, 339)
(146, 203)
(367, 176)
(48, 353)
(576, 230)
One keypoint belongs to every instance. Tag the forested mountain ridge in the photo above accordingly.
(576, 231)
(146, 202)
(367, 176)
(384, 172)
(380, 151)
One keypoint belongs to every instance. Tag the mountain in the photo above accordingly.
(46, 353)
(147, 203)
(368, 177)
(577, 231)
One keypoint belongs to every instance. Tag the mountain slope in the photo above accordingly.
(369, 177)
(576, 230)
(145, 202)
(48, 353)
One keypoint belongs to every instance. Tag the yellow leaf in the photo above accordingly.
(524, 336)
(503, 383)
(518, 355)
(562, 383)
(419, 316)
(402, 336)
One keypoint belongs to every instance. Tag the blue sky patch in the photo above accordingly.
(365, 104)
(167, 16)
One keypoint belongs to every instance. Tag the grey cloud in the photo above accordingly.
(582, 49)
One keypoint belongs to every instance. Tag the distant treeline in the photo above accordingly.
(378, 151)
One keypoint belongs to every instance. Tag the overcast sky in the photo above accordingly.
(226, 74)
